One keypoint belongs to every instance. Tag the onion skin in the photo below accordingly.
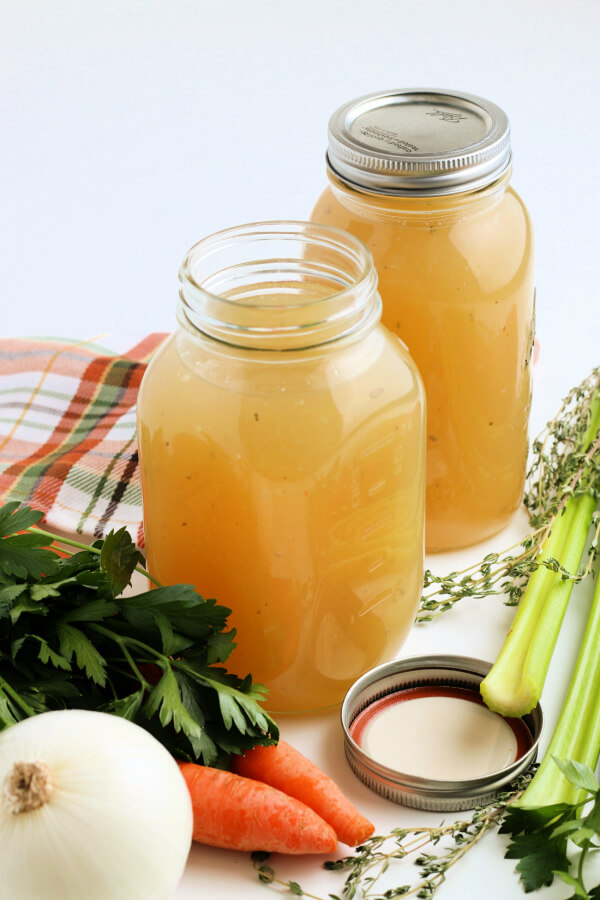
(115, 823)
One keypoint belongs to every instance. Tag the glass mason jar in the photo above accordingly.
(422, 177)
(282, 449)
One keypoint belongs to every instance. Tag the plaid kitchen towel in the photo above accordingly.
(67, 432)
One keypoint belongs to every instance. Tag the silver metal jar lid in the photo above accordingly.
(433, 674)
(418, 141)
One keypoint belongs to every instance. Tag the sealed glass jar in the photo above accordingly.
(422, 177)
(282, 450)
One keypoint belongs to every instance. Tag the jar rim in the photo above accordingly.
(286, 229)
(234, 280)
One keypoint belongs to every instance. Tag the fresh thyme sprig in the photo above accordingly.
(540, 839)
(564, 464)
(375, 856)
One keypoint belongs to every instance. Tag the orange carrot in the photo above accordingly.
(242, 814)
(287, 769)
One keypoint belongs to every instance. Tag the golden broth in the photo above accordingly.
(456, 281)
(290, 486)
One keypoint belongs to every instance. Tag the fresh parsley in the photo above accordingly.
(69, 639)
(541, 835)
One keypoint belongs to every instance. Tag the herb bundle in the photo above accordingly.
(364, 871)
(539, 841)
(69, 639)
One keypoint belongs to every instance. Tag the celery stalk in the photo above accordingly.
(515, 682)
(577, 734)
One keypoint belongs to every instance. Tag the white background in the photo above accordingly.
(129, 130)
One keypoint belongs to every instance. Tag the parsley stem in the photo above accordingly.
(111, 685)
(6, 687)
(58, 539)
(145, 684)
(582, 857)
(150, 577)
(122, 642)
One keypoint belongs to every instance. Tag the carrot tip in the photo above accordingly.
(286, 769)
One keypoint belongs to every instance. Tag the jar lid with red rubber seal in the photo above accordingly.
(417, 731)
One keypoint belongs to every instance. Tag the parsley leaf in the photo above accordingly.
(541, 835)
(73, 642)
(69, 639)
(21, 555)
(166, 699)
(118, 558)
(539, 855)
(15, 518)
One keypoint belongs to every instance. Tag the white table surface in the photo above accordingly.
(473, 628)
(132, 128)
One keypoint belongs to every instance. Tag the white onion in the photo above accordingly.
(92, 807)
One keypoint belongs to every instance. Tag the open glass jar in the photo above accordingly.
(422, 177)
(282, 450)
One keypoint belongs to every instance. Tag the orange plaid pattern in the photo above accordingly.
(67, 432)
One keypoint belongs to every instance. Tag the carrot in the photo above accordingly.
(242, 814)
(287, 769)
